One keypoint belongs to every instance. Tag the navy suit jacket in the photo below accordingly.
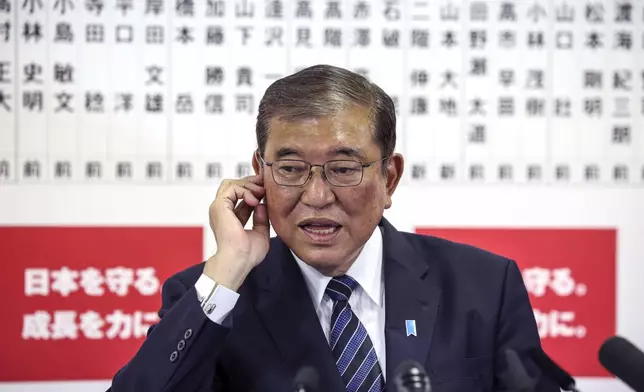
(468, 304)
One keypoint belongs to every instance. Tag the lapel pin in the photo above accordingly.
(410, 326)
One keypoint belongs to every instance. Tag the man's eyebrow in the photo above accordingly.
(285, 151)
(351, 152)
(348, 151)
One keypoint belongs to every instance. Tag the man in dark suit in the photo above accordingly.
(339, 288)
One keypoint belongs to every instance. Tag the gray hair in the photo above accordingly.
(324, 90)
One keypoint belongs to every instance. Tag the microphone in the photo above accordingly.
(624, 360)
(306, 380)
(520, 380)
(411, 377)
(554, 371)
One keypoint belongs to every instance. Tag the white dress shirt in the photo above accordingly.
(367, 300)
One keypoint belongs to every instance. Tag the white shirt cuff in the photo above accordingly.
(216, 300)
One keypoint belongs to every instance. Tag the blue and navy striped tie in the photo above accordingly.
(354, 353)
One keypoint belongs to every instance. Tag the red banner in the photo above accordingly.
(570, 275)
(80, 299)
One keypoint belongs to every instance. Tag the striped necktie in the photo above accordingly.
(354, 353)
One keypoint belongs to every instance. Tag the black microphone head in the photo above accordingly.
(411, 376)
(550, 368)
(624, 360)
(307, 379)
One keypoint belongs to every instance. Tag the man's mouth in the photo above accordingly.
(320, 229)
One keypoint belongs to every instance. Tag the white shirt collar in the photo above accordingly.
(366, 270)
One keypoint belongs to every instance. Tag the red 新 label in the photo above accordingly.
(79, 300)
(570, 276)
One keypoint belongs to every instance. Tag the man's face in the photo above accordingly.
(326, 226)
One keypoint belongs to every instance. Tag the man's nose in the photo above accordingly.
(317, 191)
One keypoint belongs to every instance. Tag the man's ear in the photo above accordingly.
(257, 165)
(395, 167)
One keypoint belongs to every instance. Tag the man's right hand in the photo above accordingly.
(238, 250)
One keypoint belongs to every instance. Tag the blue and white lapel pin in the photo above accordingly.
(410, 326)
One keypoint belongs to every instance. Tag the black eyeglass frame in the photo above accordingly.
(322, 166)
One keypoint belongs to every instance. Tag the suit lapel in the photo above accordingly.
(287, 311)
(412, 292)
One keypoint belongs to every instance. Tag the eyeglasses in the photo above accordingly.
(340, 173)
